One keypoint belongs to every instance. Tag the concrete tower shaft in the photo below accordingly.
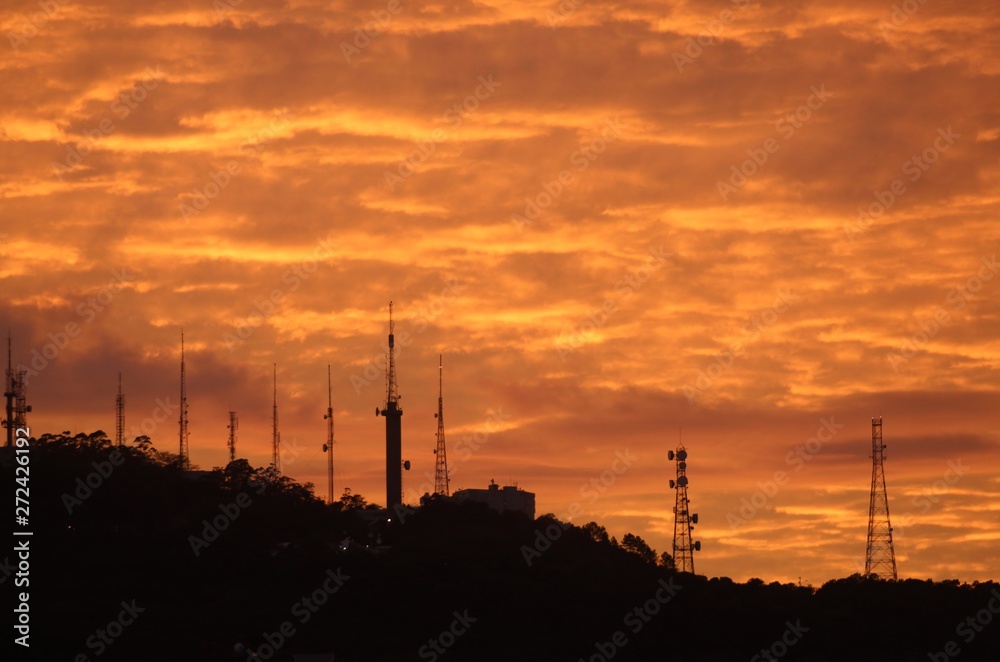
(393, 427)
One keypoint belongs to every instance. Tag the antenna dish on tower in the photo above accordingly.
(684, 520)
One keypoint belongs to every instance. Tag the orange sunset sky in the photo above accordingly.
(752, 221)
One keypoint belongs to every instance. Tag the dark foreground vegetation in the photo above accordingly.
(148, 562)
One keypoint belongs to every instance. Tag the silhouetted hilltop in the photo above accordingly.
(134, 558)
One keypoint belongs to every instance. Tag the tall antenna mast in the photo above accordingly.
(183, 421)
(234, 425)
(880, 557)
(441, 485)
(392, 391)
(17, 407)
(275, 435)
(328, 446)
(120, 414)
(8, 394)
(684, 520)
(393, 427)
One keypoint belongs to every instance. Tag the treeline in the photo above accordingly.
(136, 559)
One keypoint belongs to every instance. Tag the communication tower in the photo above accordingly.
(183, 420)
(15, 392)
(328, 446)
(234, 425)
(120, 414)
(393, 427)
(275, 435)
(684, 544)
(880, 558)
(441, 484)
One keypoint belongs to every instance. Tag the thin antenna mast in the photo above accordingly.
(8, 393)
(328, 446)
(120, 414)
(234, 425)
(275, 435)
(441, 483)
(183, 421)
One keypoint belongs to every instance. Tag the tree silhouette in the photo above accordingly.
(667, 561)
(131, 516)
(638, 546)
(596, 531)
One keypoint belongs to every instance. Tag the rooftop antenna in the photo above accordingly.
(328, 446)
(183, 420)
(441, 485)
(275, 435)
